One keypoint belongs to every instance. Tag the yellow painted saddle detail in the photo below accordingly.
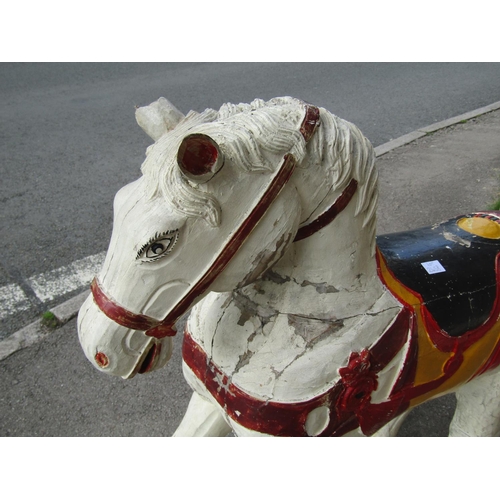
(486, 228)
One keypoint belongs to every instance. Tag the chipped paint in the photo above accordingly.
(265, 259)
(456, 239)
(311, 329)
(320, 287)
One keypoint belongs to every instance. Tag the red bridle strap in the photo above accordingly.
(328, 215)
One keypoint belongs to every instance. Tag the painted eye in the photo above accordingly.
(158, 246)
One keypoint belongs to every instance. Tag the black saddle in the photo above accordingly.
(453, 269)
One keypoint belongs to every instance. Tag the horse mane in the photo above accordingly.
(247, 134)
(344, 153)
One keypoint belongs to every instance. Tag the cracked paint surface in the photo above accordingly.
(268, 353)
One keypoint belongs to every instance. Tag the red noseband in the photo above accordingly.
(152, 327)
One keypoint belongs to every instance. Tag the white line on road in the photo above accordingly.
(12, 300)
(50, 285)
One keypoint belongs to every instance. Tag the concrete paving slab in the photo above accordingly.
(453, 171)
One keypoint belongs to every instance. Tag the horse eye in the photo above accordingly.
(158, 248)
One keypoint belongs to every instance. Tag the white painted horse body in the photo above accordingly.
(262, 217)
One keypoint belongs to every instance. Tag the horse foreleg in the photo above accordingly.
(202, 418)
(478, 407)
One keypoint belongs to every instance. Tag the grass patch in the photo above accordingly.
(50, 320)
(496, 205)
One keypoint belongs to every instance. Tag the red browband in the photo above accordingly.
(166, 327)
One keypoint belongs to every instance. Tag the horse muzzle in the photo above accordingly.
(116, 349)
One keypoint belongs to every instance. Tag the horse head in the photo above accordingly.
(212, 211)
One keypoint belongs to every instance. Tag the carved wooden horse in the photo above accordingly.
(260, 218)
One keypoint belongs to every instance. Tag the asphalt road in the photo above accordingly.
(69, 139)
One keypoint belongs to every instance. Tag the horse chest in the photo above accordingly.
(277, 356)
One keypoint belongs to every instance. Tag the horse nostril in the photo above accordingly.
(150, 358)
(101, 359)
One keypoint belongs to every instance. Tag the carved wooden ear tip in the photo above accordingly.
(158, 118)
(199, 157)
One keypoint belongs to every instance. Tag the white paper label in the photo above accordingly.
(433, 267)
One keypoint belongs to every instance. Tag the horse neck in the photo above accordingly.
(340, 258)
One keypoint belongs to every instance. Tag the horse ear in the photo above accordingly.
(199, 157)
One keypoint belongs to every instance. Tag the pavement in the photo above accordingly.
(48, 388)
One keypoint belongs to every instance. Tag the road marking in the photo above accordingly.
(52, 284)
(12, 300)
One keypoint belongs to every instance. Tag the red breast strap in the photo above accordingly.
(348, 401)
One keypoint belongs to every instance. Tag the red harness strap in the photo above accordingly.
(166, 327)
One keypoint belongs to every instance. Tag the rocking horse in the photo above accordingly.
(259, 219)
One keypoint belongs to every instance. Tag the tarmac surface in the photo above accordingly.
(48, 388)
